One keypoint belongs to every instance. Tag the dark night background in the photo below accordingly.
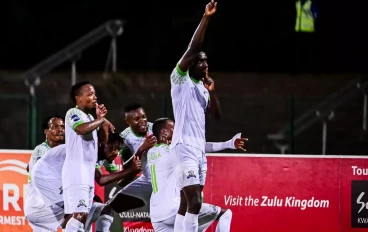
(266, 74)
(244, 35)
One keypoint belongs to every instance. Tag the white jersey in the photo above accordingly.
(33, 199)
(190, 100)
(47, 175)
(133, 142)
(81, 151)
(165, 198)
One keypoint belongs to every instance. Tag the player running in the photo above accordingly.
(47, 179)
(138, 139)
(193, 94)
(53, 128)
(81, 153)
(165, 199)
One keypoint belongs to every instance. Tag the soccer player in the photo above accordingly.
(53, 128)
(81, 152)
(165, 199)
(47, 180)
(138, 139)
(193, 94)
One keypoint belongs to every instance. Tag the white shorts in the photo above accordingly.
(207, 215)
(46, 218)
(140, 188)
(190, 165)
(49, 187)
(78, 198)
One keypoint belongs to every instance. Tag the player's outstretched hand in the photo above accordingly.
(101, 110)
(136, 164)
(239, 143)
(208, 82)
(211, 8)
(149, 142)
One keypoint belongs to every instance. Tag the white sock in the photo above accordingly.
(179, 223)
(73, 225)
(191, 222)
(63, 230)
(224, 222)
(103, 223)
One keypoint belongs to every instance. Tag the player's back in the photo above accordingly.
(133, 142)
(33, 199)
(52, 162)
(190, 100)
(47, 174)
(81, 150)
(165, 198)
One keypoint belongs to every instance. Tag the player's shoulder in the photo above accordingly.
(125, 133)
(165, 148)
(178, 77)
(74, 112)
(40, 150)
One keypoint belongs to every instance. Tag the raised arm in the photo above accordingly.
(196, 42)
(213, 105)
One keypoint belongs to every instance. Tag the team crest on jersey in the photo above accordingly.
(75, 118)
(61, 190)
(82, 203)
(191, 174)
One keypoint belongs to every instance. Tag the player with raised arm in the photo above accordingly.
(138, 139)
(47, 180)
(53, 128)
(81, 153)
(165, 199)
(193, 94)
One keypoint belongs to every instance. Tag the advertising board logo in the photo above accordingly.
(359, 204)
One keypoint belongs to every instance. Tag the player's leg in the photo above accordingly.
(164, 226)
(186, 161)
(105, 220)
(224, 220)
(93, 214)
(209, 213)
(77, 200)
(46, 219)
(134, 195)
(179, 220)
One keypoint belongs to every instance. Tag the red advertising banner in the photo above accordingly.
(290, 193)
(265, 192)
(13, 189)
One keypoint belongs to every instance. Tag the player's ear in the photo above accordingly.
(46, 131)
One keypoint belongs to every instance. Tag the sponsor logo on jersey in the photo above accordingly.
(191, 174)
(75, 118)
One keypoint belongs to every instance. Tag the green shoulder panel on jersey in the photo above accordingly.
(125, 132)
(39, 151)
(74, 118)
(178, 77)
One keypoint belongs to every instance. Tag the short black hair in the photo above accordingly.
(133, 106)
(158, 125)
(75, 91)
(45, 123)
(115, 137)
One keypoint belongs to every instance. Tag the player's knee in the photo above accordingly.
(225, 214)
(107, 210)
(82, 217)
(194, 203)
